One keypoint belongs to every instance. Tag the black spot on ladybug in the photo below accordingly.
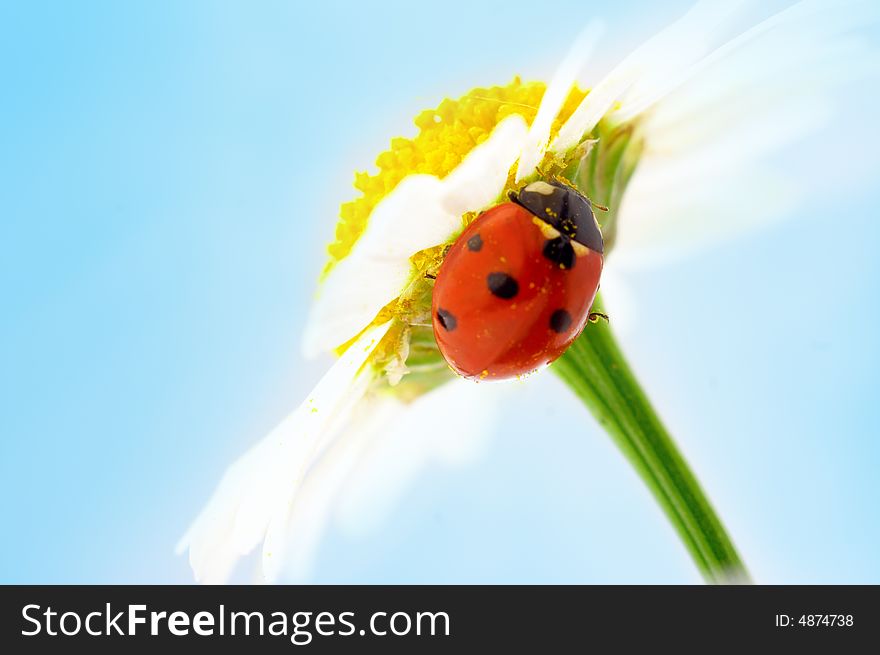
(502, 285)
(560, 251)
(560, 321)
(475, 243)
(446, 319)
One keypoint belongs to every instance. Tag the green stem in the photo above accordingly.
(596, 370)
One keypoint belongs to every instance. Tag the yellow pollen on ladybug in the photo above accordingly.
(445, 136)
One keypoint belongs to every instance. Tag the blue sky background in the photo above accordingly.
(169, 174)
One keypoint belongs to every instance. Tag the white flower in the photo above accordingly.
(708, 96)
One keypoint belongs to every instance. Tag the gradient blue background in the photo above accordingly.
(170, 172)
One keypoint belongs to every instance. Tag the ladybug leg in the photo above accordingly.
(430, 276)
(593, 317)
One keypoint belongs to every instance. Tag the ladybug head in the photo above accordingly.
(567, 210)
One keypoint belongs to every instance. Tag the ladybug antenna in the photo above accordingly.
(599, 207)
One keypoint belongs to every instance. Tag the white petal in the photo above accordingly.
(479, 179)
(662, 60)
(364, 474)
(314, 506)
(389, 444)
(796, 40)
(679, 53)
(368, 468)
(421, 212)
(706, 173)
(410, 218)
(256, 492)
(554, 97)
(451, 427)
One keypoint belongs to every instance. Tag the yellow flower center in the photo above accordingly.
(446, 135)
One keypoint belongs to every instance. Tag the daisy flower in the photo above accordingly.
(661, 141)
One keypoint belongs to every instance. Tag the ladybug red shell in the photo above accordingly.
(515, 289)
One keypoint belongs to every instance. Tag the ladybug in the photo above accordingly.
(515, 289)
